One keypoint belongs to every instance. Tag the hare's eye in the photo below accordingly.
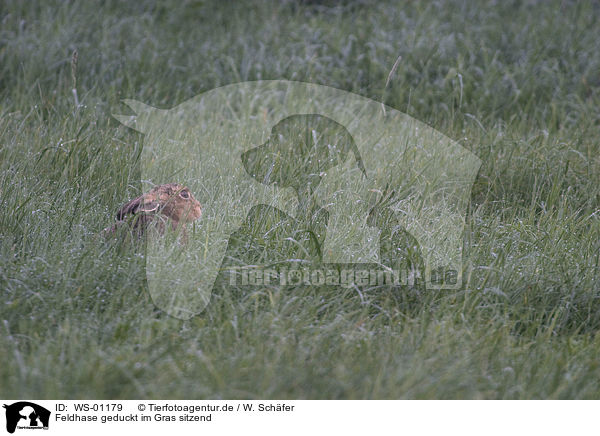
(184, 194)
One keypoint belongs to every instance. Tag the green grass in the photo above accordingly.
(517, 83)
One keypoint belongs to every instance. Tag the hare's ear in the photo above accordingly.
(129, 208)
(136, 205)
(151, 206)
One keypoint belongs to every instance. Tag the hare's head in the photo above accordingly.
(174, 201)
(170, 202)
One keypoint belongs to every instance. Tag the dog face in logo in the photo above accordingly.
(298, 151)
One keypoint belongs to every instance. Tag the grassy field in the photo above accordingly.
(515, 82)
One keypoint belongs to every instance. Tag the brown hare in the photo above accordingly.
(171, 202)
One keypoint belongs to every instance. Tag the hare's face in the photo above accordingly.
(178, 203)
(191, 209)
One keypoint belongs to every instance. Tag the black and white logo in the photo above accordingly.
(26, 415)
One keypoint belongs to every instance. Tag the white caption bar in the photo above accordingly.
(150, 417)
